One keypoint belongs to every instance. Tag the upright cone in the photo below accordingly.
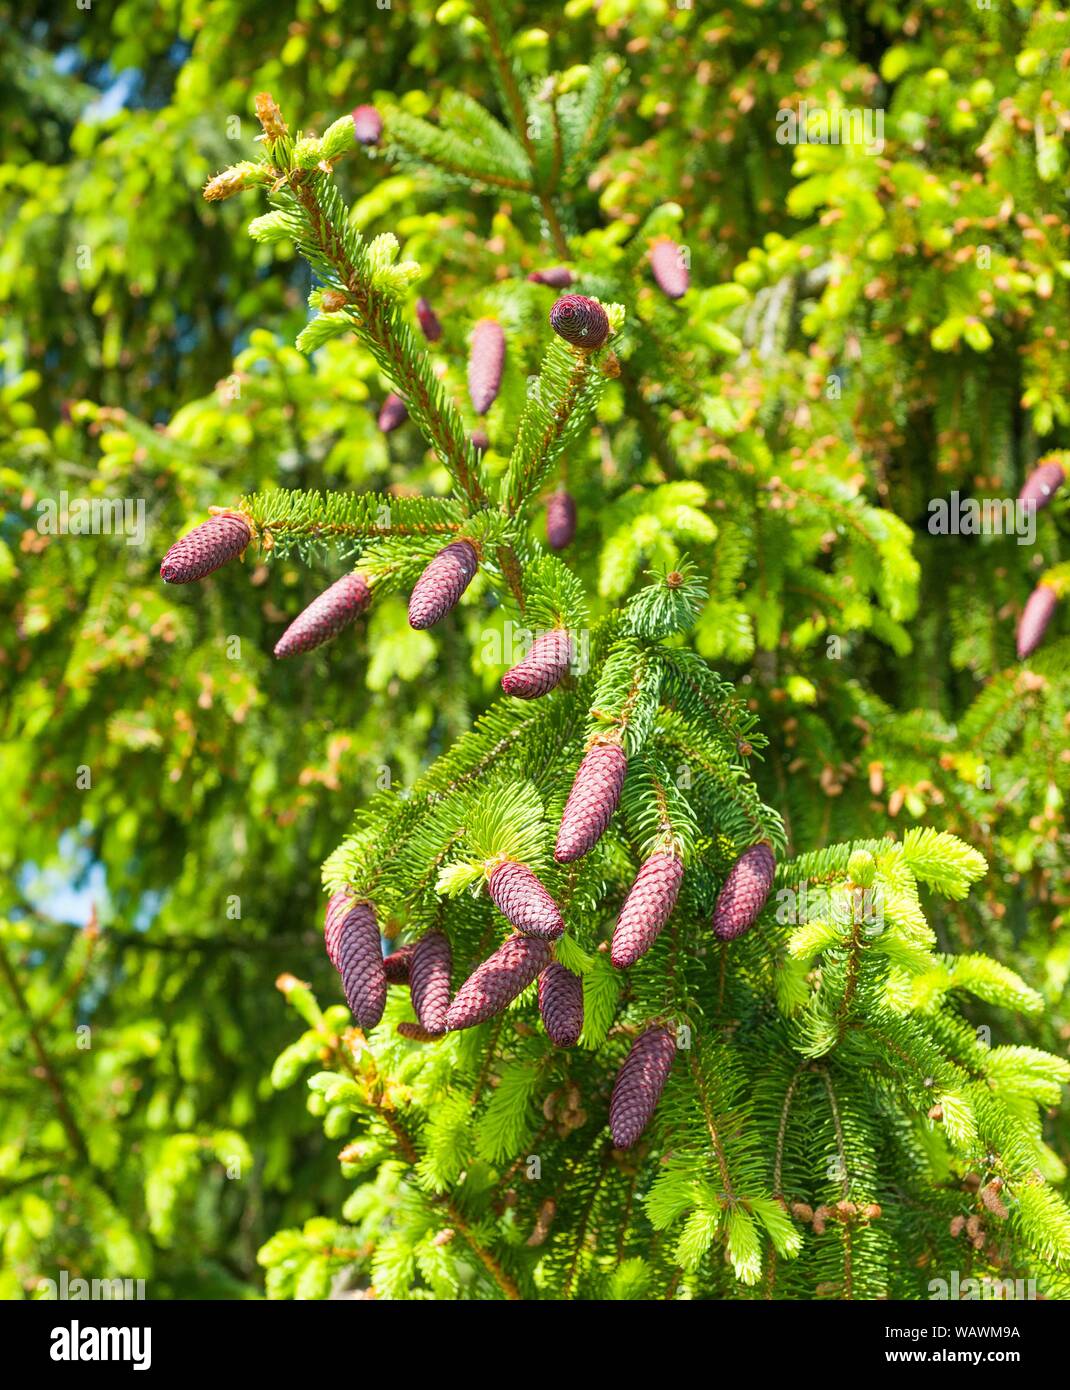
(592, 801)
(442, 583)
(325, 616)
(486, 358)
(646, 909)
(352, 939)
(524, 902)
(560, 520)
(545, 664)
(561, 1004)
(428, 321)
(580, 321)
(743, 893)
(498, 981)
(639, 1085)
(205, 548)
(429, 981)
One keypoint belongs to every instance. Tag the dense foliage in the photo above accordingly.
(768, 625)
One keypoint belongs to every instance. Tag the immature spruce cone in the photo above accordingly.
(546, 662)
(523, 901)
(396, 965)
(429, 981)
(1037, 614)
(415, 1033)
(1041, 485)
(560, 520)
(591, 802)
(646, 909)
(325, 616)
(580, 321)
(393, 412)
(561, 1004)
(743, 893)
(558, 277)
(480, 440)
(442, 583)
(428, 321)
(205, 548)
(670, 270)
(486, 357)
(367, 125)
(352, 938)
(639, 1085)
(498, 981)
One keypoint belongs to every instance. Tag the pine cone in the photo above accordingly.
(393, 412)
(580, 321)
(442, 583)
(429, 981)
(558, 277)
(546, 662)
(639, 1085)
(670, 270)
(325, 616)
(561, 1004)
(524, 902)
(1041, 485)
(205, 548)
(646, 909)
(428, 321)
(352, 938)
(743, 893)
(1037, 614)
(560, 520)
(367, 125)
(397, 964)
(591, 802)
(498, 981)
(485, 360)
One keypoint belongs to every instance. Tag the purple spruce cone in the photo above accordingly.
(561, 1004)
(743, 893)
(428, 321)
(646, 909)
(1041, 485)
(429, 981)
(669, 267)
(397, 964)
(392, 413)
(558, 277)
(639, 1085)
(325, 616)
(205, 548)
(580, 321)
(546, 662)
(442, 583)
(524, 902)
(560, 520)
(498, 981)
(1037, 614)
(367, 125)
(591, 802)
(485, 360)
(351, 934)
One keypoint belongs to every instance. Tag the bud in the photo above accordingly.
(233, 180)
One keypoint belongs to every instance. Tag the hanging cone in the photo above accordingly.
(367, 125)
(669, 267)
(560, 520)
(561, 1004)
(545, 664)
(639, 1085)
(325, 616)
(429, 981)
(396, 965)
(392, 413)
(205, 548)
(646, 909)
(580, 321)
(428, 321)
(498, 981)
(1037, 614)
(442, 583)
(415, 1033)
(486, 358)
(352, 939)
(558, 277)
(1041, 485)
(524, 902)
(743, 893)
(480, 440)
(591, 802)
